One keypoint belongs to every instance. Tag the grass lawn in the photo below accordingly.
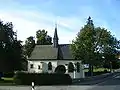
(100, 69)
(6, 81)
(97, 69)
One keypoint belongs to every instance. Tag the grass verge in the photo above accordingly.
(6, 81)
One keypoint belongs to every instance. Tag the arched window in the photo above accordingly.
(31, 65)
(78, 66)
(38, 66)
(70, 67)
(49, 66)
(60, 69)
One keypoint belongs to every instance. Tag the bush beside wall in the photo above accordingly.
(22, 78)
(8, 74)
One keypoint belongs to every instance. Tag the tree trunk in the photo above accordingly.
(90, 70)
(110, 66)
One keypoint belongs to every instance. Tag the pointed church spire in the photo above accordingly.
(55, 38)
(55, 33)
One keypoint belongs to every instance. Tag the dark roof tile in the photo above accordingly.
(65, 51)
(48, 52)
(44, 52)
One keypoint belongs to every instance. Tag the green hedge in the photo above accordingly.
(22, 78)
(8, 74)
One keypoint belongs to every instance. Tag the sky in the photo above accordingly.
(28, 16)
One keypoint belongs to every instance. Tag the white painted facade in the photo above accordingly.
(42, 67)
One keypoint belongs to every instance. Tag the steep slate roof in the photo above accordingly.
(65, 51)
(43, 52)
(52, 52)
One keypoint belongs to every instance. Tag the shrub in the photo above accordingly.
(8, 74)
(115, 65)
(22, 78)
(105, 71)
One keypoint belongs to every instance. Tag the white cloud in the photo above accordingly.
(28, 22)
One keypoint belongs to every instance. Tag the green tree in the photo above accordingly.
(111, 51)
(29, 46)
(115, 65)
(18, 55)
(43, 38)
(90, 43)
(10, 48)
(83, 47)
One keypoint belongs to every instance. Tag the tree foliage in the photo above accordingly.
(29, 46)
(92, 43)
(10, 48)
(83, 46)
(43, 38)
(115, 65)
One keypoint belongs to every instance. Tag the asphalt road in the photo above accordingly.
(113, 83)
